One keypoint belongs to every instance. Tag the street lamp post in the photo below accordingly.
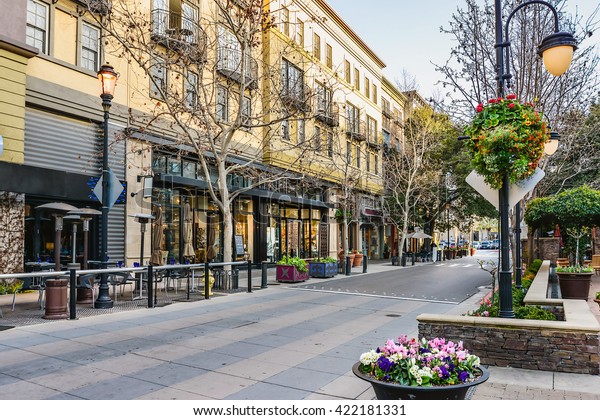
(557, 53)
(108, 80)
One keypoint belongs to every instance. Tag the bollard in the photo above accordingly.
(348, 266)
(263, 280)
(249, 276)
(365, 258)
(73, 291)
(149, 286)
(403, 260)
(206, 281)
(413, 258)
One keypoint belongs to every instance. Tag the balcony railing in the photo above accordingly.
(101, 7)
(328, 113)
(231, 65)
(386, 111)
(297, 98)
(374, 141)
(356, 130)
(179, 33)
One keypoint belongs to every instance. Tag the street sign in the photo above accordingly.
(516, 191)
(115, 188)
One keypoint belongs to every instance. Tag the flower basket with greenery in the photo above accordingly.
(323, 267)
(574, 281)
(425, 364)
(291, 269)
(506, 137)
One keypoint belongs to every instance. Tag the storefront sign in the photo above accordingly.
(239, 245)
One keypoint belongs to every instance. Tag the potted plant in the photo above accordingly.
(323, 267)
(597, 298)
(291, 270)
(574, 281)
(506, 137)
(358, 257)
(426, 369)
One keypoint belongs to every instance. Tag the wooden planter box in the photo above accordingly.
(322, 269)
(289, 274)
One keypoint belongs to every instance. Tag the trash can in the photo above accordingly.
(56, 299)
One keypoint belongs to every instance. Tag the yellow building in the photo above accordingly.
(301, 96)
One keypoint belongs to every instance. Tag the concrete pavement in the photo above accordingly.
(276, 343)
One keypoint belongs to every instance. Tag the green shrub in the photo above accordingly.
(534, 312)
(534, 267)
(297, 262)
(326, 260)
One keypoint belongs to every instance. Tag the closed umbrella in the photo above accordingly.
(157, 238)
(211, 252)
(188, 248)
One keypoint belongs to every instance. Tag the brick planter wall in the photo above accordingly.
(571, 345)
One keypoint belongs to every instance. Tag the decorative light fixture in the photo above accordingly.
(557, 51)
(552, 145)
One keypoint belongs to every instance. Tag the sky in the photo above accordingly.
(405, 34)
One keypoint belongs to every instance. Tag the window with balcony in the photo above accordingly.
(357, 155)
(376, 163)
(375, 94)
(191, 90)
(371, 130)
(292, 92)
(317, 46)
(285, 129)
(329, 143)
(301, 131)
(348, 152)
(317, 139)
(175, 20)
(222, 108)
(232, 62)
(354, 128)
(285, 20)
(37, 25)
(368, 161)
(326, 110)
(158, 78)
(90, 47)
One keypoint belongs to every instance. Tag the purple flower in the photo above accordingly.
(445, 374)
(385, 364)
(463, 375)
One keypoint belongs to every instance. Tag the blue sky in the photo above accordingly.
(405, 33)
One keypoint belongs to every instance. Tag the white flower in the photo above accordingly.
(369, 357)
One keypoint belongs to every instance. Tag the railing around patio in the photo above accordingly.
(151, 275)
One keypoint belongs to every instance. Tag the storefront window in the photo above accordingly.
(189, 169)
(174, 166)
(244, 226)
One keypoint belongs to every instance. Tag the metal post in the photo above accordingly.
(263, 280)
(104, 301)
(348, 266)
(73, 293)
(150, 291)
(206, 280)
(504, 274)
(249, 276)
(518, 262)
(365, 258)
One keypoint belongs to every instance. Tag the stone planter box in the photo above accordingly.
(572, 345)
(322, 269)
(289, 274)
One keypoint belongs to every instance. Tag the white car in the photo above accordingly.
(475, 244)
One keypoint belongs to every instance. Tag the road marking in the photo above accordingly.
(339, 292)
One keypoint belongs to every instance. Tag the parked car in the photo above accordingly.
(496, 244)
(485, 245)
(476, 244)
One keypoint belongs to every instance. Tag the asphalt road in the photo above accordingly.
(450, 281)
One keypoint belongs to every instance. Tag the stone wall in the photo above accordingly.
(543, 249)
(523, 347)
(12, 241)
(571, 345)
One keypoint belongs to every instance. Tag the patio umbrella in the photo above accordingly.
(157, 238)
(188, 248)
(211, 252)
(420, 235)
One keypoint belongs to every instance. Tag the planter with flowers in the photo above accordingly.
(574, 281)
(428, 369)
(291, 270)
(506, 137)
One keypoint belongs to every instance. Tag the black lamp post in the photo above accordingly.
(108, 80)
(557, 53)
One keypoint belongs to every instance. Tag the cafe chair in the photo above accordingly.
(30, 284)
(121, 280)
(88, 281)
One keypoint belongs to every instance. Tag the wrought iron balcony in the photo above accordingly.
(328, 113)
(231, 65)
(101, 7)
(179, 33)
(356, 130)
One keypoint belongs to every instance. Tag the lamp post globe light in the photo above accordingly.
(557, 52)
(108, 80)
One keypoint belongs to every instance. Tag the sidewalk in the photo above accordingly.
(275, 343)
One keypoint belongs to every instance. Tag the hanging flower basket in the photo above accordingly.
(506, 137)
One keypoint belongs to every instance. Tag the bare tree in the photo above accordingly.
(410, 174)
(215, 91)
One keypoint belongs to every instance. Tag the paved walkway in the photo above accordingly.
(278, 343)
